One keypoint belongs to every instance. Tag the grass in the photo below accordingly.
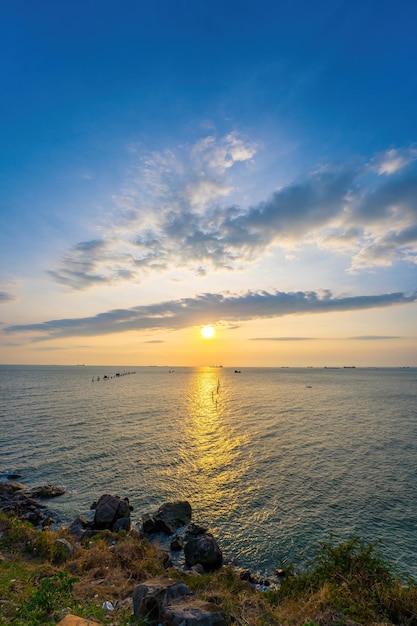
(40, 581)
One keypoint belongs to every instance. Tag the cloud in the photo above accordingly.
(176, 211)
(282, 338)
(215, 307)
(91, 263)
(6, 297)
(374, 337)
(390, 161)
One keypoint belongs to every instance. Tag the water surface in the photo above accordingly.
(274, 461)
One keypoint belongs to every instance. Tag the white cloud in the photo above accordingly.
(393, 160)
(173, 212)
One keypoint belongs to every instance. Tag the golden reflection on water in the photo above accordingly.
(211, 462)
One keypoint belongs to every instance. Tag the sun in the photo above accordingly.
(207, 332)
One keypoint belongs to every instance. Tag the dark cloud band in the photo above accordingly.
(212, 307)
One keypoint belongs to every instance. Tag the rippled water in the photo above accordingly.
(274, 461)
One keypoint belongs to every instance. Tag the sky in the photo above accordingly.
(166, 165)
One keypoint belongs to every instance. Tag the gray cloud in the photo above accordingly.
(6, 297)
(78, 267)
(209, 308)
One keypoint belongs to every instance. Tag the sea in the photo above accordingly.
(274, 461)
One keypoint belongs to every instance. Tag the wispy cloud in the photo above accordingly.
(392, 160)
(282, 338)
(212, 307)
(375, 337)
(175, 211)
(6, 297)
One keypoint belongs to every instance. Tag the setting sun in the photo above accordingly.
(207, 332)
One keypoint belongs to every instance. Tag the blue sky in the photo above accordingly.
(251, 165)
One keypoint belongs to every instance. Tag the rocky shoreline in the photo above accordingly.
(157, 599)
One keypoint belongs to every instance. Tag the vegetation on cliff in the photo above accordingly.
(44, 575)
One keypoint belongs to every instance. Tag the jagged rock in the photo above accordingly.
(177, 544)
(109, 509)
(15, 499)
(151, 597)
(172, 515)
(46, 491)
(203, 549)
(193, 613)
(148, 523)
(193, 530)
(80, 528)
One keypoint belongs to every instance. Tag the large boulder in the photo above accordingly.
(110, 509)
(151, 597)
(204, 550)
(172, 515)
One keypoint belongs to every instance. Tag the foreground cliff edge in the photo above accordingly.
(109, 571)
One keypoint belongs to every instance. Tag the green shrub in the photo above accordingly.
(52, 595)
(355, 579)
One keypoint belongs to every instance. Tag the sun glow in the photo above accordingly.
(207, 332)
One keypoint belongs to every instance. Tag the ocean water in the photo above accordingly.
(274, 461)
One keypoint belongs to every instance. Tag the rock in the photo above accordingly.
(197, 570)
(127, 603)
(203, 549)
(193, 613)
(172, 515)
(16, 499)
(121, 524)
(64, 549)
(193, 530)
(80, 528)
(11, 487)
(13, 476)
(46, 491)
(48, 521)
(109, 509)
(148, 523)
(152, 596)
(177, 544)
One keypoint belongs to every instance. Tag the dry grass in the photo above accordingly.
(346, 584)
